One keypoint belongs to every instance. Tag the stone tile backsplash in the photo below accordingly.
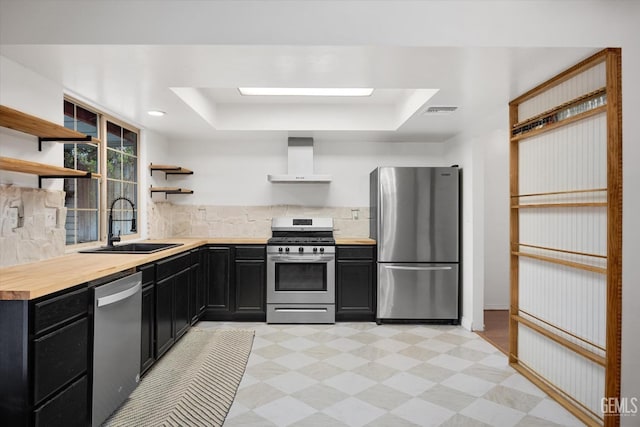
(169, 220)
(40, 216)
(31, 224)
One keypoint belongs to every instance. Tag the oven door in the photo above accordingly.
(301, 279)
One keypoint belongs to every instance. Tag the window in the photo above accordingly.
(122, 175)
(82, 196)
(116, 159)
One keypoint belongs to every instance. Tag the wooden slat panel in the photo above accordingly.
(561, 205)
(514, 232)
(562, 77)
(562, 262)
(560, 340)
(558, 395)
(564, 251)
(557, 125)
(554, 193)
(614, 228)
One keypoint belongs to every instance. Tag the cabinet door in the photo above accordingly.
(250, 290)
(194, 289)
(165, 332)
(181, 291)
(148, 325)
(201, 281)
(219, 300)
(59, 357)
(67, 409)
(355, 291)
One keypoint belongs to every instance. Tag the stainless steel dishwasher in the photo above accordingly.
(117, 326)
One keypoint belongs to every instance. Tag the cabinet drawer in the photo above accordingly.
(67, 409)
(54, 311)
(59, 357)
(355, 252)
(148, 274)
(250, 252)
(173, 265)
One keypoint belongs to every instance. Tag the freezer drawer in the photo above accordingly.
(415, 291)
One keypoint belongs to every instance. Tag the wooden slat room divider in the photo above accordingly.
(566, 236)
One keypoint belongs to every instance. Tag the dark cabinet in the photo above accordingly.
(236, 280)
(172, 316)
(148, 327)
(355, 283)
(250, 279)
(147, 341)
(44, 357)
(165, 332)
(182, 286)
(219, 302)
(197, 285)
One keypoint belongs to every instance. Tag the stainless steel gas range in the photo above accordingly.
(301, 271)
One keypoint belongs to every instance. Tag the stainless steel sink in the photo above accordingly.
(132, 248)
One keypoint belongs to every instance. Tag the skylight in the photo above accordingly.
(304, 91)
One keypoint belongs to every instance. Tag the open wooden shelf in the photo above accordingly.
(43, 129)
(580, 108)
(169, 190)
(170, 170)
(43, 170)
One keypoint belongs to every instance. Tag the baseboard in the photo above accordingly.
(496, 306)
(466, 323)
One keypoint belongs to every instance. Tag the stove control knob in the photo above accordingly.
(321, 249)
(279, 249)
(315, 249)
(286, 249)
(300, 249)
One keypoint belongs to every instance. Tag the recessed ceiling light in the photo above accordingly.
(304, 91)
(156, 113)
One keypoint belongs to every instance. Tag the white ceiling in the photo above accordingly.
(189, 57)
(197, 85)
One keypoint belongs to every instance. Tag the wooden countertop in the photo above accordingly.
(37, 279)
(355, 241)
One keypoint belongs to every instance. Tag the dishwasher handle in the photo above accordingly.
(112, 299)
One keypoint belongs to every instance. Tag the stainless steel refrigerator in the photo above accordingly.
(415, 221)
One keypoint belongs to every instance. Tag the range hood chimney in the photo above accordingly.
(300, 156)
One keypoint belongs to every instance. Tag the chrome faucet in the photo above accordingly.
(110, 237)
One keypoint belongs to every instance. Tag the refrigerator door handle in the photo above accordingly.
(402, 267)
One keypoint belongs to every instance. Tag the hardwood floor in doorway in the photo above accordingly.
(496, 329)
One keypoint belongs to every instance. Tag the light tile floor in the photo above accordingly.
(362, 374)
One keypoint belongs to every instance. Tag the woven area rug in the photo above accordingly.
(192, 385)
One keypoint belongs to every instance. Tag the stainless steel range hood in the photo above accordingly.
(300, 156)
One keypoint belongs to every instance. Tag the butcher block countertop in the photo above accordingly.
(38, 279)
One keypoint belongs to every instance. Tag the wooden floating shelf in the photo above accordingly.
(43, 129)
(170, 170)
(42, 170)
(170, 190)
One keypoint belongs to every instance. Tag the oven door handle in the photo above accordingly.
(320, 259)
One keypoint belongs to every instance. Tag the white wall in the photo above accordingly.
(24, 90)
(235, 172)
(495, 153)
